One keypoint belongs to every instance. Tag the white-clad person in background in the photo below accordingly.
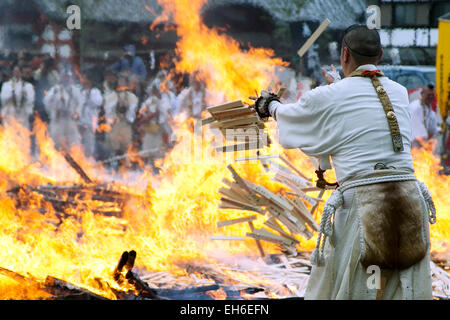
(192, 99)
(424, 121)
(374, 227)
(61, 103)
(148, 123)
(17, 97)
(120, 113)
(165, 113)
(89, 109)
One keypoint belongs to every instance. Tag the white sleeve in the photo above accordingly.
(29, 89)
(131, 112)
(6, 93)
(180, 100)
(305, 125)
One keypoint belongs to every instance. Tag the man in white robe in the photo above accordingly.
(192, 100)
(17, 97)
(61, 103)
(376, 226)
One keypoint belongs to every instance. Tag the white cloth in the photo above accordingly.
(346, 120)
(151, 140)
(91, 101)
(61, 103)
(423, 121)
(165, 109)
(17, 98)
(343, 277)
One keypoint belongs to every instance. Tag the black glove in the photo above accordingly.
(262, 103)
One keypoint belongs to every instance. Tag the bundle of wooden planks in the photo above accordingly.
(240, 124)
(287, 213)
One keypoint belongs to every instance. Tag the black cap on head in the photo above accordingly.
(364, 43)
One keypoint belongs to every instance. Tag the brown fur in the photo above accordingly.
(392, 221)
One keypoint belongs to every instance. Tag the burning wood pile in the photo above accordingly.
(100, 198)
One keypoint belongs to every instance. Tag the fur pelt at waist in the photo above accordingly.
(392, 222)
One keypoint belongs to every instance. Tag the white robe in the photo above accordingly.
(346, 120)
(24, 95)
(423, 121)
(62, 105)
(152, 139)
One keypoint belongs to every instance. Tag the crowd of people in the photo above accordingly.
(126, 111)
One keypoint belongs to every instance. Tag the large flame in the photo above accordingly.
(171, 215)
(217, 58)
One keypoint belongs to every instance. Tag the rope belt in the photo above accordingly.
(336, 200)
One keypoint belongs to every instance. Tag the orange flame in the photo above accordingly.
(219, 59)
(171, 216)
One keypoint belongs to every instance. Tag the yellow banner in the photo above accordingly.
(443, 67)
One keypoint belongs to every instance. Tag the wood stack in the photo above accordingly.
(64, 199)
(239, 124)
(286, 215)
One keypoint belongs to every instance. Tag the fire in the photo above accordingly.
(427, 167)
(170, 217)
(218, 59)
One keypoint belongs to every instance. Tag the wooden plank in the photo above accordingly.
(242, 146)
(313, 37)
(229, 206)
(294, 178)
(258, 243)
(242, 205)
(251, 198)
(242, 183)
(226, 238)
(263, 234)
(256, 158)
(234, 195)
(208, 121)
(234, 113)
(235, 221)
(77, 167)
(311, 189)
(303, 211)
(281, 91)
(287, 219)
(235, 122)
(227, 182)
(272, 223)
(226, 106)
(245, 186)
(294, 168)
(317, 204)
(272, 197)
